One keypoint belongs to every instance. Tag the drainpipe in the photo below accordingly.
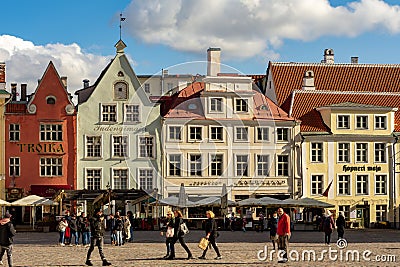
(396, 138)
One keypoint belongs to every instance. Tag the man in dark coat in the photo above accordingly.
(97, 238)
(340, 224)
(7, 232)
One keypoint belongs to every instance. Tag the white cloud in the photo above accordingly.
(26, 62)
(246, 28)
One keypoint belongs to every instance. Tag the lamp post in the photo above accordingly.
(108, 186)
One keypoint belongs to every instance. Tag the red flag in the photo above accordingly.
(325, 193)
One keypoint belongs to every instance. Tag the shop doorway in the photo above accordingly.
(363, 215)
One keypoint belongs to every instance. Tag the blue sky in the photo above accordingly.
(79, 36)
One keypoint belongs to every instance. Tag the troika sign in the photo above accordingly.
(363, 168)
(41, 148)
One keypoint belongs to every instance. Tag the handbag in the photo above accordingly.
(184, 229)
(203, 244)
(170, 232)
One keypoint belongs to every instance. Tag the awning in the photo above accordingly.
(92, 195)
(4, 203)
(255, 202)
(306, 203)
(213, 202)
(33, 200)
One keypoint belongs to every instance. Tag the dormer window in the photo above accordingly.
(120, 91)
(343, 122)
(51, 100)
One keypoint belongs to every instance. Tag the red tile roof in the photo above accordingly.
(304, 103)
(187, 104)
(288, 77)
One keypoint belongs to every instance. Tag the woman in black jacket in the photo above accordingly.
(179, 235)
(273, 226)
(211, 234)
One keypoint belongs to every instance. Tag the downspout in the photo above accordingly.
(396, 138)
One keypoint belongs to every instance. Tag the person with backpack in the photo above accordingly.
(328, 226)
(211, 235)
(7, 232)
(179, 235)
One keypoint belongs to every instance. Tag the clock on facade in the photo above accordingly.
(120, 91)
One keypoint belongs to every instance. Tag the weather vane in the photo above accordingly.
(121, 19)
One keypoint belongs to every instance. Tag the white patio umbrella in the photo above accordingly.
(33, 201)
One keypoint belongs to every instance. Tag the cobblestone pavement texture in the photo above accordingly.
(237, 249)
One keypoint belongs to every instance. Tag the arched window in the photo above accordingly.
(120, 91)
(51, 100)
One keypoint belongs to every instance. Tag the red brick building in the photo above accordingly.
(40, 134)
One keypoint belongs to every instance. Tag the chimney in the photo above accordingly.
(23, 92)
(308, 80)
(2, 76)
(354, 60)
(64, 81)
(164, 72)
(329, 57)
(213, 61)
(14, 91)
(85, 83)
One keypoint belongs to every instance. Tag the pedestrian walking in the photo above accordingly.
(211, 235)
(169, 234)
(328, 226)
(273, 226)
(7, 232)
(118, 227)
(283, 232)
(179, 235)
(97, 238)
(340, 225)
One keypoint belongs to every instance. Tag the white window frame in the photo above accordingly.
(147, 89)
(126, 137)
(361, 122)
(381, 153)
(86, 146)
(361, 152)
(201, 133)
(100, 179)
(211, 164)
(383, 212)
(279, 163)
(265, 166)
(362, 182)
(114, 177)
(53, 133)
(384, 183)
(153, 151)
(319, 183)
(196, 164)
(132, 113)
(13, 134)
(239, 106)
(244, 169)
(108, 112)
(169, 133)
(340, 124)
(348, 152)
(262, 129)
(246, 128)
(279, 135)
(220, 105)
(14, 167)
(57, 165)
(146, 177)
(177, 165)
(342, 191)
(222, 133)
(317, 152)
(385, 122)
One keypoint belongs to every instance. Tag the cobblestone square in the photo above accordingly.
(237, 249)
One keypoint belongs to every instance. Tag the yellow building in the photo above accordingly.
(3, 96)
(349, 134)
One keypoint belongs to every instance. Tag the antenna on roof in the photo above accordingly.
(121, 19)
